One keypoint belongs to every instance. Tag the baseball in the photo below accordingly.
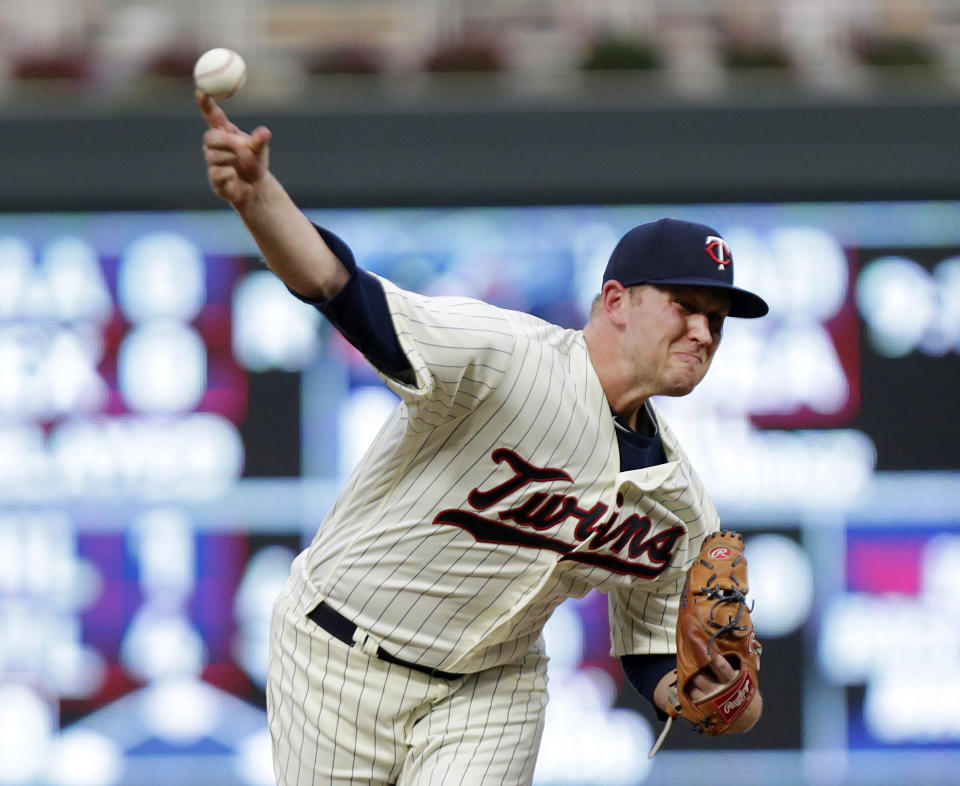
(220, 73)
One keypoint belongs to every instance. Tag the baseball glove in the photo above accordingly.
(714, 618)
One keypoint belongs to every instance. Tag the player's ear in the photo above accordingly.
(614, 301)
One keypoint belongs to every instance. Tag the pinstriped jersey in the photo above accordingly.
(494, 492)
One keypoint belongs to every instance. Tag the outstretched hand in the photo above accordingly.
(236, 161)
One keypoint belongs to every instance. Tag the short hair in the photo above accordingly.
(596, 303)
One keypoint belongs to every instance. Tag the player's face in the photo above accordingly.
(673, 333)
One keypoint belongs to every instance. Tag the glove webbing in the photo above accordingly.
(724, 595)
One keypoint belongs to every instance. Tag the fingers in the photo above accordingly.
(225, 183)
(223, 134)
(217, 120)
(236, 161)
(722, 668)
(236, 144)
(213, 114)
(225, 158)
(221, 176)
(259, 140)
(717, 674)
(702, 684)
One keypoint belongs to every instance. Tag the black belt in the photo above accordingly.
(334, 623)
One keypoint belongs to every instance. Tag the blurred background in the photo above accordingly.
(174, 424)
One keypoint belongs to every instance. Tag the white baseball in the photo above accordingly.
(220, 73)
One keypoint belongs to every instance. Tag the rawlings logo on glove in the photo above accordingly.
(714, 621)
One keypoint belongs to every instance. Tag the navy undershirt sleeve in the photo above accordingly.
(638, 451)
(361, 314)
(645, 672)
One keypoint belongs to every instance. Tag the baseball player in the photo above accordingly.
(526, 464)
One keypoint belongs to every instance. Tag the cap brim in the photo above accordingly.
(743, 304)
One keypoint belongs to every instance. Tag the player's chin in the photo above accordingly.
(681, 384)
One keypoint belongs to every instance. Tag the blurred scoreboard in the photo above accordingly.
(174, 426)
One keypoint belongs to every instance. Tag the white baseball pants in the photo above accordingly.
(339, 716)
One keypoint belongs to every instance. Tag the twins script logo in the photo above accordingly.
(719, 251)
(631, 548)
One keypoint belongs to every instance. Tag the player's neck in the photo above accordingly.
(615, 374)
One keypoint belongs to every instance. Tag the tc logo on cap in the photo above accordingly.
(719, 251)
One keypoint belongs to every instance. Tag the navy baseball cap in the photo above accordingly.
(669, 251)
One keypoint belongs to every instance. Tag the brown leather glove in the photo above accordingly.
(714, 618)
